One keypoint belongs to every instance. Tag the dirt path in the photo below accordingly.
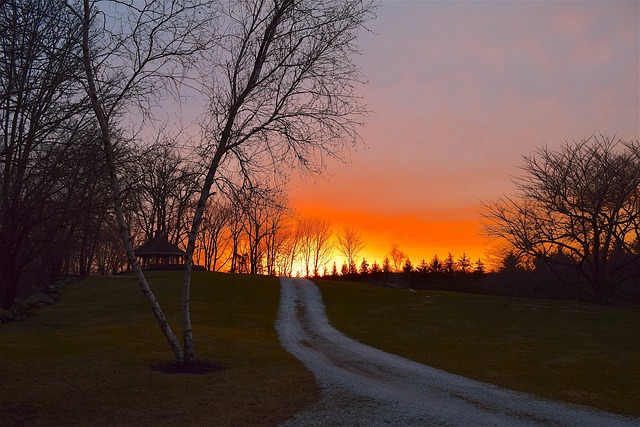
(365, 386)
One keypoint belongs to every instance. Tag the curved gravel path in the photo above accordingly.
(364, 386)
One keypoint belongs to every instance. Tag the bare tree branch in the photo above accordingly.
(577, 207)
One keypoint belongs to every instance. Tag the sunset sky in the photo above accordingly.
(460, 91)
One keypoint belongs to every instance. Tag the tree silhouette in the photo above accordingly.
(364, 267)
(344, 270)
(435, 265)
(350, 244)
(512, 261)
(40, 121)
(315, 244)
(214, 235)
(334, 270)
(583, 201)
(397, 257)
(279, 79)
(375, 268)
(423, 267)
(386, 265)
(449, 264)
(464, 264)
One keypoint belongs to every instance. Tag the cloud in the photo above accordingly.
(461, 91)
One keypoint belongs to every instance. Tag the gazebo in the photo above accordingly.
(159, 254)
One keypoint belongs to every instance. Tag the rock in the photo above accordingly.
(38, 299)
(20, 317)
(6, 316)
(20, 306)
(53, 291)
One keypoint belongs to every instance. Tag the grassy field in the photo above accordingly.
(85, 360)
(568, 351)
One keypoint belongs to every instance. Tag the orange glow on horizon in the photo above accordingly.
(420, 237)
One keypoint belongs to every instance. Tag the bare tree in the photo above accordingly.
(260, 207)
(314, 243)
(132, 53)
(39, 101)
(577, 207)
(282, 91)
(397, 257)
(289, 246)
(276, 233)
(80, 208)
(164, 188)
(236, 228)
(215, 236)
(281, 80)
(350, 244)
(321, 247)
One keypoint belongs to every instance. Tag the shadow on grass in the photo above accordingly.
(197, 367)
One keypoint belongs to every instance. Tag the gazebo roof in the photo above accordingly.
(158, 246)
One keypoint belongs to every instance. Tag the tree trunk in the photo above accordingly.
(115, 188)
(187, 331)
(8, 281)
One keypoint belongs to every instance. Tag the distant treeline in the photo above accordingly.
(516, 276)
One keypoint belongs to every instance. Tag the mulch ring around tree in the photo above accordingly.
(17, 415)
(197, 367)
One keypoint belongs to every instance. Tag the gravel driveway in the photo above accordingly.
(365, 386)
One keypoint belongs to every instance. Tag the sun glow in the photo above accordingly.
(418, 237)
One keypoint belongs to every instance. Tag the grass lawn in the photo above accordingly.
(85, 360)
(575, 352)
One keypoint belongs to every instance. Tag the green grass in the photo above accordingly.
(574, 352)
(85, 360)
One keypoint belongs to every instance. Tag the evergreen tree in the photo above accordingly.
(364, 267)
(344, 270)
(375, 268)
(435, 266)
(512, 261)
(423, 267)
(386, 265)
(464, 264)
(353, 269)
(407, 267)
(449, 264)
(480, 268)
(334, 270)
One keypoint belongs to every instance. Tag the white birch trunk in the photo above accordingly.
(115, 188)
(187, 331)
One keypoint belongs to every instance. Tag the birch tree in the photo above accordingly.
(132, 53)
(282, 91)
(278, 75)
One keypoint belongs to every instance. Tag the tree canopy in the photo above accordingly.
(577, 208)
